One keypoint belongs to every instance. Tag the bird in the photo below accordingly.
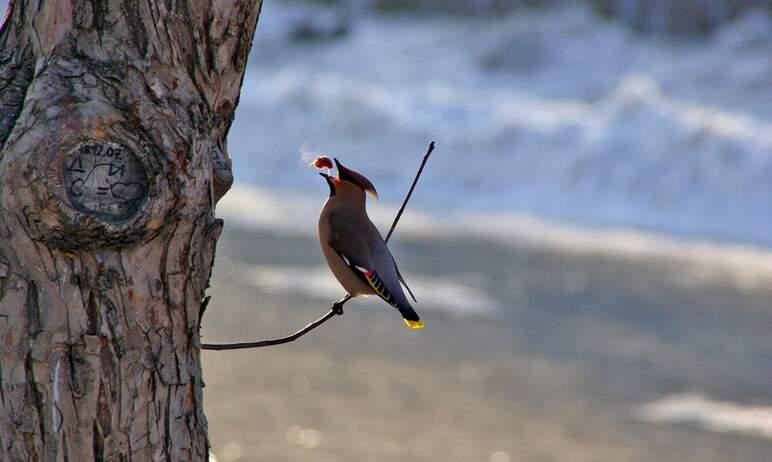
(354, 248)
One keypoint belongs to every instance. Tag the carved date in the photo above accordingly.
(106, 180)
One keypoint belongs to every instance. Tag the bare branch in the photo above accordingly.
(410, 192)
(337, 308)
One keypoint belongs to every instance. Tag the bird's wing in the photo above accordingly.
(347, 239)
(365, 271)
(389, 276)
(362, 249)
(371, 278)
(402, 280)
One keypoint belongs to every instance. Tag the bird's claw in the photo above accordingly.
(337, 308)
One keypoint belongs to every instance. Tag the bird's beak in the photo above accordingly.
(330, 182)
(346, 174)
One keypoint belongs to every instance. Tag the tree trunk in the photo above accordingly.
(113, 119)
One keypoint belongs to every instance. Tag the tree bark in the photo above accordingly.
(113, 124)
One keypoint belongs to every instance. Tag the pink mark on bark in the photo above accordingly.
(6, 16)
(55, 23)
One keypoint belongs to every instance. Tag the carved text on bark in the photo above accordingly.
(105, 180)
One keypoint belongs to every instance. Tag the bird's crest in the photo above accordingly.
(346, 174)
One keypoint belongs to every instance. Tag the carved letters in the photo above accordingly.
(106, 180)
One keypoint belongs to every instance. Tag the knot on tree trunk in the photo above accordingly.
(91, 170)
(93, 183)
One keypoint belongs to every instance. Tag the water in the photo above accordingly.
(556, 114)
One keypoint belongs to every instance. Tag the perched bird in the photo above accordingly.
(353, 247)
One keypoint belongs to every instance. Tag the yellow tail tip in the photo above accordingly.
(414, 324)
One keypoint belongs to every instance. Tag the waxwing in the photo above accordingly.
(353, 247)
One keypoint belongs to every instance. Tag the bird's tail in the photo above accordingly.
(411, 318)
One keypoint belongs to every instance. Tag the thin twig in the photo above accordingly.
(337, 307)
(410, 192)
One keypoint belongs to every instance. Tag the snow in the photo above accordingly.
(457, 296)
(295, 214)
(713, 415)
(553, 113)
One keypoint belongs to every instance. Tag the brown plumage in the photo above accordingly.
(353, 247)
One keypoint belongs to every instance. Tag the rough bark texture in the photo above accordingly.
(113, 118)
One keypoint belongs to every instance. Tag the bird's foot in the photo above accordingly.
(337, 307)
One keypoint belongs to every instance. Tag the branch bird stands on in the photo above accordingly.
(386, 289)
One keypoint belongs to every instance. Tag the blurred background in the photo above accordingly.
(590, 243)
